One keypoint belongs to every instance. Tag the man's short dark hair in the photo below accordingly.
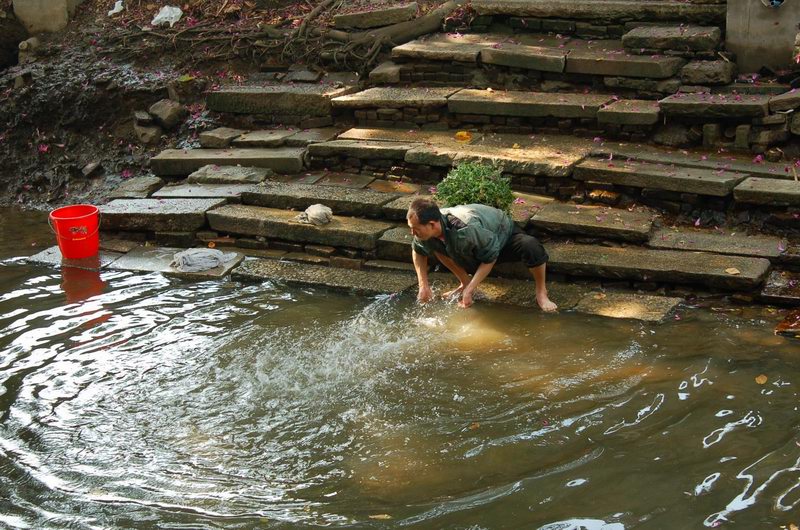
(425, 210)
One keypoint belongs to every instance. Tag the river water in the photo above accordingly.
(138, 401)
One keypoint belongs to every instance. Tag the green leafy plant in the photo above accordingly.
(471, 183)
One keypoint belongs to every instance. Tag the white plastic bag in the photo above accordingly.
(316, 214)
(116, 9)
(169, 15)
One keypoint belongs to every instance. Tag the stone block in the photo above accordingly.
(708, 73)
(220, 137)
(178, 162)
(696, 38)
(137, 188)
(168, 113)
(213, 174)
(377, 17)
(173, 215)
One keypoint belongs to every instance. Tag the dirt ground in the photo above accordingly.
(74, 108)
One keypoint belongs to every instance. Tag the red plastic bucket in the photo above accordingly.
(77, 230)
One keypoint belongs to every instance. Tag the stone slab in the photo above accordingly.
(437, 49)
(306, 137)
(219, 138)
(158, 259)
(715, 105)
(787, 101)
(376, 17)
(178, 162)
(398, 208)
(385, 73)
(367, 282)
(281, 224)
(388, 265)
(594, 221)
(120, 246)
(528, 104)
(300, 99)
(394, 186)
(538, 58)
(633, 306)
(214, 174)
(203, 191)
(343, 201)
(718, 242)
(361, 149)
(52, 257)
(156, 215)
(756, 190)
(354, 181)
(678, 37)
(654, 176)
(304, 178)
(614, 63)
(630, 112)
(782, 287)
(396, 98)
(668, 266)
(395, 244)
(269, 138)
(136, 188)
(607, 11)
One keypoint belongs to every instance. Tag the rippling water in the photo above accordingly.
(137, 401)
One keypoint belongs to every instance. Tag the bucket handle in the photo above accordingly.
(50, 223)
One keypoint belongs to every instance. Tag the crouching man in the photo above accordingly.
(471, 239)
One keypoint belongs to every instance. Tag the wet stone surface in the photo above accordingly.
(790, 326)
(635, 306)
(782, 287)
(158, 259)
(372, 282)
(52, 257)
(162, 215)
(137, 188)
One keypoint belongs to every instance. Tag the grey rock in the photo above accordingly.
(147, 134)
(168, 113)
(708, 73)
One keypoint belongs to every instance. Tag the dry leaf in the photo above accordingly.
(381, 517)
(761, 379)
(733, 270)
(463, 136)
(793, 527)
(516, 146)
(599, 296)
(211, 244)
(474, 425)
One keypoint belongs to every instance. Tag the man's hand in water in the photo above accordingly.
(425, 295)
(466, 298)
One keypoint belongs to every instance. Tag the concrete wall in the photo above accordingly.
(45, 15)
(762, 36)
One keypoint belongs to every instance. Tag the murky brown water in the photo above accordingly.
(137, 401)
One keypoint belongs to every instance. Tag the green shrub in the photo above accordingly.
(475, 183)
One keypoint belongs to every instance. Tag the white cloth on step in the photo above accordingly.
(316, 214)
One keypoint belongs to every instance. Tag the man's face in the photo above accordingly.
(423, 232)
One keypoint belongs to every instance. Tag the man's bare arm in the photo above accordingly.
(421, 267)
(483, 271)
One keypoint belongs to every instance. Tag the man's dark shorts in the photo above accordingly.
(523, 247)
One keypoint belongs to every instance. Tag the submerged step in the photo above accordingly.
(156, 215)
(368, 282)
(594, 221)
(342, 200)
(659, 177)
(718, 242)
(300, 99)
(605, 11)
(527, 104)
(648, 308)
(179, 162)
(348, 232)
(670, 266)
(782, 287)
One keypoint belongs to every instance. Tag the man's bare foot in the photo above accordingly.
(544, 303)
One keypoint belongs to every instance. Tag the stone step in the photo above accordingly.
(684, 38)
(528, 104)
(156, 215)
(232, 192)
(365, 150)
(782, 287)
(739, 163)
(718, 242)
(375, 17)
(656, 176)
(271, 223)
(367, 282)
(715, 105)
(541, 155)
(213, 174)
(594, 221)
(614, 63)
(395, 98)
(772, 192)
(342, 200)
(669, 266)
(300, 99)
(181, 162)
(630, 112)
(605, 11)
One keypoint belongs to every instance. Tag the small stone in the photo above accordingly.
(774, 154)
(742, 140)
(346, 263)
(708, 73)
(142, 118)
(148, 135)
(168, 113)
(673, 135)
(92, 169)
(220, 137)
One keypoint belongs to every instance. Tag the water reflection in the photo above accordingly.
(138, 401)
